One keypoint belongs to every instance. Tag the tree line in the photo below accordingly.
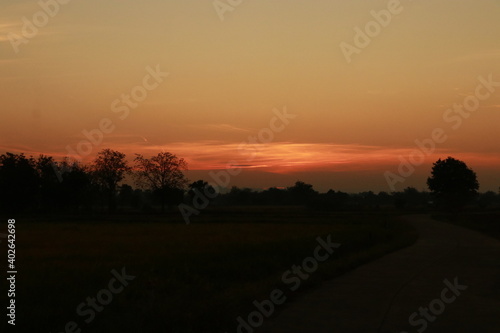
(42, 184)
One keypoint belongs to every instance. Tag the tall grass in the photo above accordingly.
(189, 278)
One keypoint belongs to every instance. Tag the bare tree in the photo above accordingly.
(108, 169)
(162, 174)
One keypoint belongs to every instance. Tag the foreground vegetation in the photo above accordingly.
(188, 278)
(487, 222)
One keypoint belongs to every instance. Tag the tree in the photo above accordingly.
(487, 199)
(201, 187)
(108, 169)
(274, 196)
(49, 183)
(301, 193)
(130, 197)
(19, 182)
(76, 186)
(163, 175)
(240, 196)
(452, 183)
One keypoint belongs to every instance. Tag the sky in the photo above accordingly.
(334, 93)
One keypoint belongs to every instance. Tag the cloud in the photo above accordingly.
(220, 127)
(6, 27)
(276, 157)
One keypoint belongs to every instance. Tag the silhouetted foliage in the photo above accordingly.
(411, 198)
(19, 182)
(74, 187)
(487, 199)
(274, 195)
(201, 187)
(108, 169)
(452, 183)
(302, 193)
(163, 175)
(241, 196)
(50, 188)
(43, 185)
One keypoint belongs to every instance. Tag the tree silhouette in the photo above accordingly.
(487, 199)
(452, 183)
(163, 175)
(201, 187)
(76, 185)
(108, 169)
(301, 193)
(19, 182)
(274, 196)
(50, 187)
(130, 197)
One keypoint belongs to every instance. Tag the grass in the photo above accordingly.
(189, 278)
(487, 222)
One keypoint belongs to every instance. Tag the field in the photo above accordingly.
(186, 278)
(487, 222)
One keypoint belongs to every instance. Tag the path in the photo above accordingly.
(379, 297)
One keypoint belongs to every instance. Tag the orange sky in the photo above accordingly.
(354, 120)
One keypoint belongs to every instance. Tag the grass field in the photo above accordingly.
(188, 278)
(486, 222)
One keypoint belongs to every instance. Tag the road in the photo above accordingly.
(452, 271)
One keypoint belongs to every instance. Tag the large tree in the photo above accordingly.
(453, 183)
(162, 174)
(108, 170)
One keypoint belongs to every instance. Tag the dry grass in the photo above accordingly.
(189, 278)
